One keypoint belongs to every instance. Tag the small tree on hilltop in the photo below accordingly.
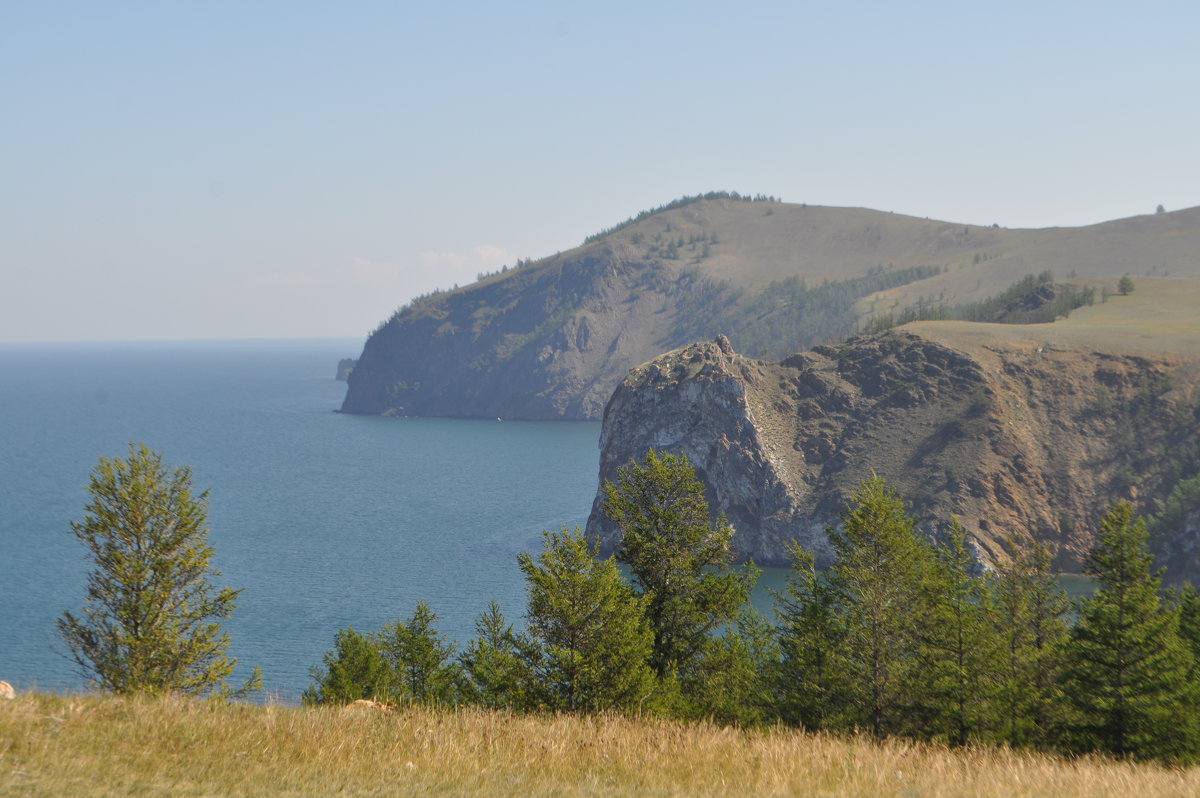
(150, 619)
(812, 673)
(355, 669)
(1125, 285)
(497, 666)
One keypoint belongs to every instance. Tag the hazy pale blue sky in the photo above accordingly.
(282, 169)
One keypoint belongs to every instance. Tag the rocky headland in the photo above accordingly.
(1024, 432)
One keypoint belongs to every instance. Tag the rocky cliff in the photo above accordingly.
(549, 342)
(1024, 433)
(552, 338)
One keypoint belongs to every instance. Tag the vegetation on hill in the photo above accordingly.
(682, 202)
(788, 315)
(901, 636)
(1030, 300)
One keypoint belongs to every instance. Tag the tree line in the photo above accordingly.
(1003, 308)
(788, 315)
(681, 202)
(901, 635)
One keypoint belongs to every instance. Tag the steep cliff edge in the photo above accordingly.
(1022, 431)
(547, 342)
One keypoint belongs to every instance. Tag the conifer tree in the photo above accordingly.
(734, 678)
(957, 645)
(355, 669)
(496, 665)
(591, 632)
(405, 660)
(1187, 602)
(679, 559)
(150, 622)
(811, 686)
(1029, 612)
(878, 571)
(1127, 670)
(419, 658)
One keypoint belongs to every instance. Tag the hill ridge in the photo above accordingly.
(552, 338)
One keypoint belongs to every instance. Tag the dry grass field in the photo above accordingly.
(760, 242)
(88, 745)
(1161, 316)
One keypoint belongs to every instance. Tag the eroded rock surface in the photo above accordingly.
(1020, 440)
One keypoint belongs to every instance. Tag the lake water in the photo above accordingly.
(326, 520)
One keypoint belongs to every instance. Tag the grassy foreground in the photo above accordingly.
(90, 745)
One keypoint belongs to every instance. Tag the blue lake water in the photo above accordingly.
(326, 520)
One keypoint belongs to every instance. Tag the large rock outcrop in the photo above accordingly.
(1023, 437)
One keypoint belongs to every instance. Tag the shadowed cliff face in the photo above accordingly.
(1020, 440)
(546, 343)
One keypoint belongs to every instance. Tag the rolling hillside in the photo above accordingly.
(551, 339)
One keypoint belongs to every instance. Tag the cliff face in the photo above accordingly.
(1020, 438)
(548, 342)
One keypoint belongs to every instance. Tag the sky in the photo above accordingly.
(199, 170)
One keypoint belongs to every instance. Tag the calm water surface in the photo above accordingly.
(325, 520)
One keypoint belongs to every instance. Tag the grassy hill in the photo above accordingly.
(552, 338)
(52, 745)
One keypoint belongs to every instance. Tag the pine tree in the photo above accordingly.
(1127, 670)
(419, 658)
(496, 665)
(734, 679)
(1187, 602)
(591, 633)
(405, 660)
(355, 669)
(678, 558)
(812, 671)
(1029, 612)
(958, 645)
(151, 617)
(878, 571)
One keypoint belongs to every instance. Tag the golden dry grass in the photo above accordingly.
(1161, 317)
(53, 745)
